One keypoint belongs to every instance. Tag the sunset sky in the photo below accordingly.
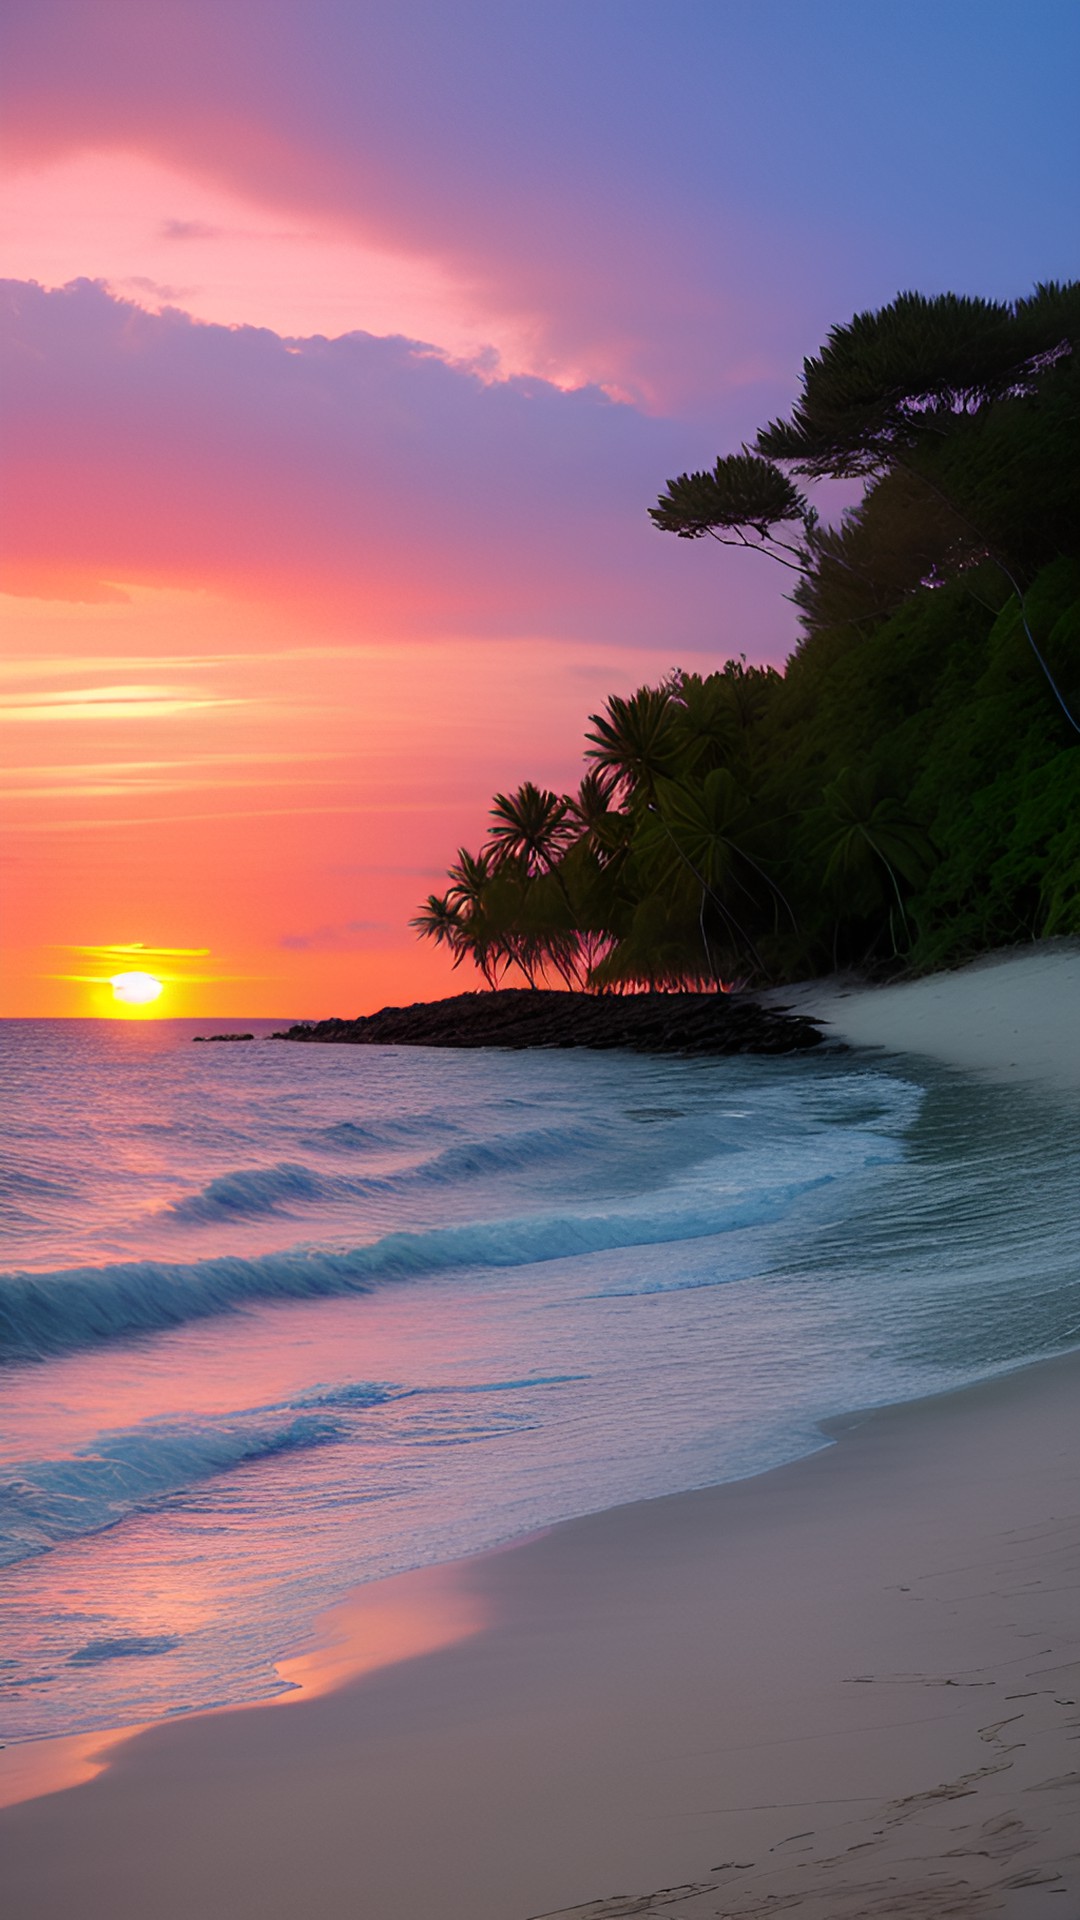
(345, 347)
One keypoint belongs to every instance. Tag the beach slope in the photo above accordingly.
(845, 1690)
(1014, 1015)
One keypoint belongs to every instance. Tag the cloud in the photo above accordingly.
(170, 964)
(668, 201)
(137, 703)
(188, 230)
(346, 938)
(448, 135)
(136, 949)
(363, 474)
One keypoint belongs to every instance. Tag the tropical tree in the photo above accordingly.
(903, 390)
(469, 897)
(739, 502)
(921, 366)
(438, 920)
(706, 721)
(530, 826)
(441, 920)
(533, 828)
(591, 814)
(710, 824)
(904, 784)
(871, 849)
(634, 742)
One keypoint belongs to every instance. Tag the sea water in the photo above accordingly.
(276, 1320)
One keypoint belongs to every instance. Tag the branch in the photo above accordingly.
(752, 546)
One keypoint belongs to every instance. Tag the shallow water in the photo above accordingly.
(277, 1320)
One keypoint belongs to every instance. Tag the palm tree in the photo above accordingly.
(531, 826)
(545, 927)
(440, 919)
(708, 824)
(469, 897)
(635, 742)
(590, 810)
(469, 879)
(864, 838)
(533, 830)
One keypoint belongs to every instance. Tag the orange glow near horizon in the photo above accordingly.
(285, 599)
(269, 839)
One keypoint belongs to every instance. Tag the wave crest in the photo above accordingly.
(133, 1470)
(44, 1314)
(252, 1190)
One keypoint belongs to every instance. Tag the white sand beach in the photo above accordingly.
(848, 1689)
(1013, 1015)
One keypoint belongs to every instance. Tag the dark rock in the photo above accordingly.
(517, 1017)
(207, 1037)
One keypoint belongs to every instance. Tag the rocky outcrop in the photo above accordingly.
(687, 1023)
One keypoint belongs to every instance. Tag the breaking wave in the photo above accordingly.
(252, 1191)
(49, 1313)
(133, 1470)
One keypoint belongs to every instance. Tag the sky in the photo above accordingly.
(345, 347)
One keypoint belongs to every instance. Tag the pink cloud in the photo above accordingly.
(668, 201)
(361, 474)
(562, 209)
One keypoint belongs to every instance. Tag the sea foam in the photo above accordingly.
(49, 1313)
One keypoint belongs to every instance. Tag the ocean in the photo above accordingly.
(277, 1320)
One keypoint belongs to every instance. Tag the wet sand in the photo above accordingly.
(845, 1690)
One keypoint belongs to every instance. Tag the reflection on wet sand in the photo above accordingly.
(381, 1625)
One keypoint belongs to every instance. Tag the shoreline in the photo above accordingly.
(385, 1621)
(700, 1663)
(889, 1618)
(846, 1687)
(1011, 1015)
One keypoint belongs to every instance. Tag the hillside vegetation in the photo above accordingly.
(906, 794)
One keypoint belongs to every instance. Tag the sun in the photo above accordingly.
(135, 989)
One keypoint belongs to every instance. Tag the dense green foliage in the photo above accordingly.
(907, 792)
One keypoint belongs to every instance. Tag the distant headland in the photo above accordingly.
(519, 1017)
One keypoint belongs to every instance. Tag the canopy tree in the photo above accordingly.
(932, 400)
(904, 795)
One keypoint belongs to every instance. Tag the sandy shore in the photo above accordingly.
(846, 1690)
(1014, 1015)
